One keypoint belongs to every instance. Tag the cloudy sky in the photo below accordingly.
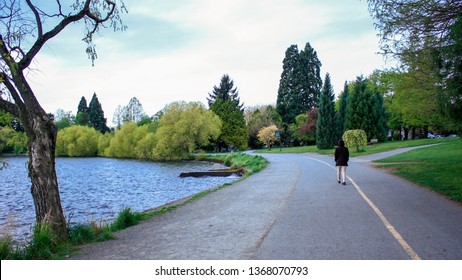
(179, 49)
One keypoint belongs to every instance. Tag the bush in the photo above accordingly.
(355, 139)
(77, 141)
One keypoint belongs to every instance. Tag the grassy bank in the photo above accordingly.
(438, 168)
(43, 246)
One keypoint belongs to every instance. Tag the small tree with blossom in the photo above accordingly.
(267, 135)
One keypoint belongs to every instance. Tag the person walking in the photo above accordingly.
(341, 156)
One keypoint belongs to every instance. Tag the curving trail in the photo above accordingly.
(295, 209)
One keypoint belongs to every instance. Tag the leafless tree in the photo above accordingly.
(25, 27)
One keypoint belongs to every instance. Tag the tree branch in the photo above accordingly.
(37, 18)
(27, 59)
(41, 40)
(9, 107)
(13, 108)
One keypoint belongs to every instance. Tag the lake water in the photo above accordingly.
(96, 189)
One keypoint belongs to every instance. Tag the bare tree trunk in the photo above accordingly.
(42, 172)
(41, 133)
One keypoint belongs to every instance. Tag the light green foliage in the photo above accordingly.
(124, 142)
(183, 128)
(5, 135)
(104, 140)
(12, 141)
(77, 141)
(300, 120)
(146, 141)
(355, 139)
(267, 135)
(258, 118)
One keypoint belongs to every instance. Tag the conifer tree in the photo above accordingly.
(325, 128)
(287, 86)
(311, 82)
(379, 117)
(224, 101)
(341, 114)
(300, 83)
(365, 110)
(96, 115)
(225, 92)
(82, 113)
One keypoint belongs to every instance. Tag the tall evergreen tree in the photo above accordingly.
(300, 83)
(225, 92)
(224, 101)
(341, 114)
(285, 104)
(96, 115)
(365, 110)
(325, 128)
(358, 108)
(82, 113)
(311, 82)
(379, 118)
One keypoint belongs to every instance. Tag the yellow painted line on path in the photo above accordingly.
(413, 255)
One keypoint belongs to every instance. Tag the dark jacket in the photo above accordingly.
(342, 155)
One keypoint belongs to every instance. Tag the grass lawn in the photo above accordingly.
(438, 168)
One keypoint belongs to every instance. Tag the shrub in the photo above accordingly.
(355, 139)
(77, 141)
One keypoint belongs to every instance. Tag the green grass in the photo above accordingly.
(438, 168)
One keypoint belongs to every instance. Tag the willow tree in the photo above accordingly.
(25, 29)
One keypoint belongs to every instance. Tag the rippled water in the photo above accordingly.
(95, 189)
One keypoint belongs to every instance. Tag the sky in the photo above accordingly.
(178, 50)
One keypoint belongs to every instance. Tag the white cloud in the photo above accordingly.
(179, 51)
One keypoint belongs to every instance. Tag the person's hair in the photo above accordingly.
(341, 143)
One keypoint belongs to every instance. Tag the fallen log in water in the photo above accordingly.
(215, 172)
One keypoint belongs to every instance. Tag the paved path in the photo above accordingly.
(295, 209)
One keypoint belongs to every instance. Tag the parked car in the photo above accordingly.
(430, 136)
(438, 136)
(452, 136)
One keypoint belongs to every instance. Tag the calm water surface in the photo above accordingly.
(95, 189)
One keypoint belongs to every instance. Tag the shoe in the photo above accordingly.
(344, 183)
(338, 181)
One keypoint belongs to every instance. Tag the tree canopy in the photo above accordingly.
(425, 35)
(96, 115)
(224, 102)
(300, 83)
(184, 127)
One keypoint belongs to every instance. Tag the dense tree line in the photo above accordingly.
(182, 129)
